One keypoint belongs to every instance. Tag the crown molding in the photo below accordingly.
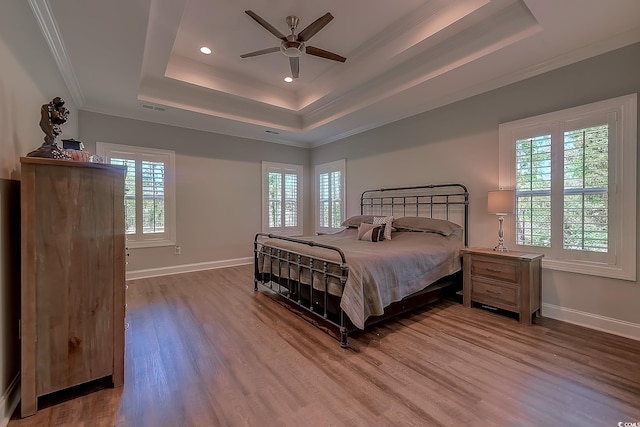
(47, 24)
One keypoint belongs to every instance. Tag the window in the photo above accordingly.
(330, 185)
(149, 193)
(282, 199)
(574, 172)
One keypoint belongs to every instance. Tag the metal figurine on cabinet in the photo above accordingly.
(52, 115)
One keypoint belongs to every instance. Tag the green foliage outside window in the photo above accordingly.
(330, 199)
(585, 190)
(153, 201)
(533, 191)
(586, 178)
(283, 193)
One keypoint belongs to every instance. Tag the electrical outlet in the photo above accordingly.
(178, 250)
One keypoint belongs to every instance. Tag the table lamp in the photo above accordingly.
(501, 203)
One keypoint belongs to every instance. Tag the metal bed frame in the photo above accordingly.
(432, 201)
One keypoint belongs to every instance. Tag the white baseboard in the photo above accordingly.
(9, 401)
(593, 321)
(186, 268)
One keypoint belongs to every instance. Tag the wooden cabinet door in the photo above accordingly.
(74, 276)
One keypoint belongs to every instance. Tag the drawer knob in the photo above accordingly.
(494, 270)
(489, 291)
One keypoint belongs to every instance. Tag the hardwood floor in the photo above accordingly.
(204, 349)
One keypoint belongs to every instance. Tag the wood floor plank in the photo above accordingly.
(204, 349)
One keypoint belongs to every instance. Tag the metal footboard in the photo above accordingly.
(278, 278)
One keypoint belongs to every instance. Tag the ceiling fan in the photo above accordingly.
(293, 46)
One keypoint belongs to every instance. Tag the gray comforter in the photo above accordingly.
(380, 272)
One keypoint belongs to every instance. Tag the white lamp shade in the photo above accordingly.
(501, 201)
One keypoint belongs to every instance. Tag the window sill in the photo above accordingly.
(590, 268)
(149, 244)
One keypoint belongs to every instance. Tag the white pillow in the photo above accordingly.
(387, 221)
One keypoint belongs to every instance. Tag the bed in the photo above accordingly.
(400, 253)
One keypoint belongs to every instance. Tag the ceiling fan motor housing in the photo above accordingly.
(292, 22)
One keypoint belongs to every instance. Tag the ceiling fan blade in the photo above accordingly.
(261, 52)
(324, 54)
(294, 62)
(314, 27)
(273, 30)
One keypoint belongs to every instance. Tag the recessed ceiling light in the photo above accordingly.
(288, 79)
(205, 50)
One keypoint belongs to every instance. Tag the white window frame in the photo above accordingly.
(140, 239)
(268, 167)
(336, 166)
(620, 261)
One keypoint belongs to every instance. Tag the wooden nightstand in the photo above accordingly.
(506, 280)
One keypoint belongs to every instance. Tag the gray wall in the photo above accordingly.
(29, 78)
(218, 186)
(459, 143)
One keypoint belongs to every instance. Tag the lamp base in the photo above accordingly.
(500, 247)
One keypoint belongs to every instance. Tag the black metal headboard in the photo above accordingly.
(443, 201)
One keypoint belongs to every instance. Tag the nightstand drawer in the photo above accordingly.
(488, 292)
(497, 269)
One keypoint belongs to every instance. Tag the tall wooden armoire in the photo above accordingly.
(73, 276)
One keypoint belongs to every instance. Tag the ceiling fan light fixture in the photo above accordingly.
(292, 49)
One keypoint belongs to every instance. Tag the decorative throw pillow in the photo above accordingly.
(387, 221)
(371, 232)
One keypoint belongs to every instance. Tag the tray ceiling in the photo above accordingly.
(141, 59)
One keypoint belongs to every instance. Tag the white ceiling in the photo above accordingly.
(141, 59)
